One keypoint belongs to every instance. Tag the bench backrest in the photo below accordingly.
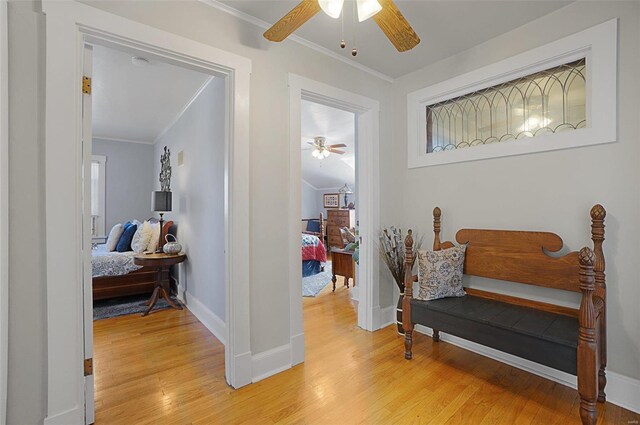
(521, 256)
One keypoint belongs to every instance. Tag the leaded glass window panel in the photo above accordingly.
(550, 101)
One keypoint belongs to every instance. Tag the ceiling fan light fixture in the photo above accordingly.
(332, 8)
(315, 153)
(367, 8)
(325, 153)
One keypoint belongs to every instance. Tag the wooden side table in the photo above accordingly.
(342, 264)
(160, 261)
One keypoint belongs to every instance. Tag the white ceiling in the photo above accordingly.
(445, 28)
(137, 103)
(337, 126)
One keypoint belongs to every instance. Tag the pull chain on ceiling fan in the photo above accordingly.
(384, 12)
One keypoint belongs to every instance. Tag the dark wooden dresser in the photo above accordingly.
(335, 220)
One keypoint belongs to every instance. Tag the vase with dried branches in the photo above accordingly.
(392, 252)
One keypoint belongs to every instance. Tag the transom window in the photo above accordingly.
(549, 101)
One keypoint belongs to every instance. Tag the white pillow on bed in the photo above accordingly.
(141, 238)
(114, 237)
(155, 237)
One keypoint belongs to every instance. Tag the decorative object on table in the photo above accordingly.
(312, 285)
(351, 206)
(321, 150)
(171, 248)
(346, 191)
(393, 254)
(165, 170)
(160, 262)
(331, 200)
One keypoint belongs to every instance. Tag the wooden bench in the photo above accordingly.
(567, 339)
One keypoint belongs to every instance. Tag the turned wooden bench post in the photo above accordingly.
(587, 345)
(408, 294)
(598, 213)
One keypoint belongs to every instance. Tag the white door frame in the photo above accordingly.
(4, 208)
(69, 26)
(367, 144)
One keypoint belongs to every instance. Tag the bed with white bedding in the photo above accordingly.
(105, 263)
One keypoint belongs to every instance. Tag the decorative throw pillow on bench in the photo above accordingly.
(440, 273)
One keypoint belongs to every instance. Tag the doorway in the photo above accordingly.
(366, 113)
(70, 26)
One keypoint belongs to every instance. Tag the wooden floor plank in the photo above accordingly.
(167, 368)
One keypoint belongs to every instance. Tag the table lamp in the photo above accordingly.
(161, 203)
(346, 190)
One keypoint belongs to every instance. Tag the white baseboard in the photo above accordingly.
(207, 317)
(297, 349)
(242, 373)
(355, 292)
(270, 362)
(621, 390)
(388, 316)
(71, 416)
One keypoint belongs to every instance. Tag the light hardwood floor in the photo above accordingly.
(168, 369)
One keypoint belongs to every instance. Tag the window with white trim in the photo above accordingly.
(557, 96)
(98, 196)
(548, 101)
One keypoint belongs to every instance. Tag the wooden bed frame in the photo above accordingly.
(519, 256)
(141, 281)
(320, 234)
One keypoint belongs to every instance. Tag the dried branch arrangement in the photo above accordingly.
(392, 252)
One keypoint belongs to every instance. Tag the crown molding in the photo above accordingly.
(115, 139)
(296, 38)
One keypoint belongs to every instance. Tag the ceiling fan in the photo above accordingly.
(321, 150)
(384, 12)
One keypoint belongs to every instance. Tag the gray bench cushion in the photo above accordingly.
(543, 337)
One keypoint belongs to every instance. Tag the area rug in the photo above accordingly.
(312, 285)
(134, 304)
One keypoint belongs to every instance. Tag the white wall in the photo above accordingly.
(130, 176)
(546, 191)
(198, 194)
(310, 206)
(27, 377)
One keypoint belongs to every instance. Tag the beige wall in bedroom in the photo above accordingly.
(546, 191)
(269, 173)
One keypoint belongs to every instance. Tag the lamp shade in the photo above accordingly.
(345, 189)
(161, 201)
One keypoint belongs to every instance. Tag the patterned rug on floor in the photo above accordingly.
(134, 304)
(312, 285)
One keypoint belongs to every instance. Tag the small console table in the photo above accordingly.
(160, 261)
(342, 264)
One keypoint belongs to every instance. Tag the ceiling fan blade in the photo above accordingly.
(336, 151)
(292, 20)
(311, 143)
(339, 145)
(396, 27)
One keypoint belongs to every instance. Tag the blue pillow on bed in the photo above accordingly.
(313, 226)
(124, 243)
